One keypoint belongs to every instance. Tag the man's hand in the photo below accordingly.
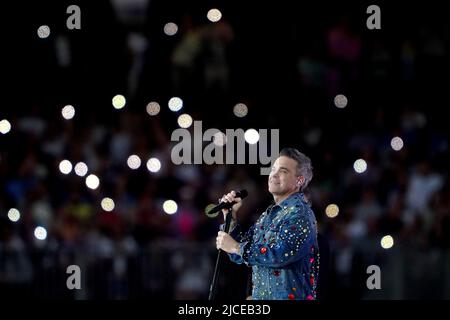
(225, 242)
(230, 197)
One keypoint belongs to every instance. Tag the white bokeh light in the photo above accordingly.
(214, 15)
(387, 242)
(340, 101)
(170, 28)
(397, 143)
(240, 110)
(184, 120)
(13, 215)
(40, 233)
(5, 126)
(170, 207)
(119, 101)
(153, 108)
(65, 166)
(153, 165)
(43, 31)
(360, 166)
(251, 136)
(107, 204)
(81, 169)
(219, 139)
(92, 181)
(134, 162)
(68, 112)
(175, 104)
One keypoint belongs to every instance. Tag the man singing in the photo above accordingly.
(281, 247)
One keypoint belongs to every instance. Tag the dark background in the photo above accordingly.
(286, 61)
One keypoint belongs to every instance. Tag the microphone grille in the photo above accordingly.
(242, 194)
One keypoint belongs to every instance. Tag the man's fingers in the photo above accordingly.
(229, 197)
(218, 242)
(220, 239)
(226, 198)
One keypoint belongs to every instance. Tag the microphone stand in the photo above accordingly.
(213, 287)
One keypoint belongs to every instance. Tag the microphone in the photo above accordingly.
(226, 205)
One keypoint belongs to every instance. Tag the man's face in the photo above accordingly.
(283, 178)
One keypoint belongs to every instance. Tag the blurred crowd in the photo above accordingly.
(287, 71)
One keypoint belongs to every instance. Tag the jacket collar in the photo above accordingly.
(289, 201)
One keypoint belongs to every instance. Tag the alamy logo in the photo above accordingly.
(74, 280)
(374, 20)
(374, 280)
(213, 152)
(74, 20)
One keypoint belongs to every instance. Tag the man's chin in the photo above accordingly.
(274, 191)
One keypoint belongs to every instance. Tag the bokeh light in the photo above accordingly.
(153, 164)
(214, 15)
(185, 120)
(360, 166)
(340, 101)
(170, 28)
(170, 207)
(397, 143)
(208, 208)
(65, 166)
(119, 101)
(81, 169)
(153, 108)
(107, 204)
(92, 181)
(134, 162)
(13, 215)
(219, 139)
(240, 110)
(43, 31)
(68, 112)
(332, 210)
(40, 233)
(387, 242)
(175, 104)
(5, 126)
(251, 136)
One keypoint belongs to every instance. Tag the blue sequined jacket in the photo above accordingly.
(282, 249)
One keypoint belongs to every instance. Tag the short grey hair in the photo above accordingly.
(304, 166)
